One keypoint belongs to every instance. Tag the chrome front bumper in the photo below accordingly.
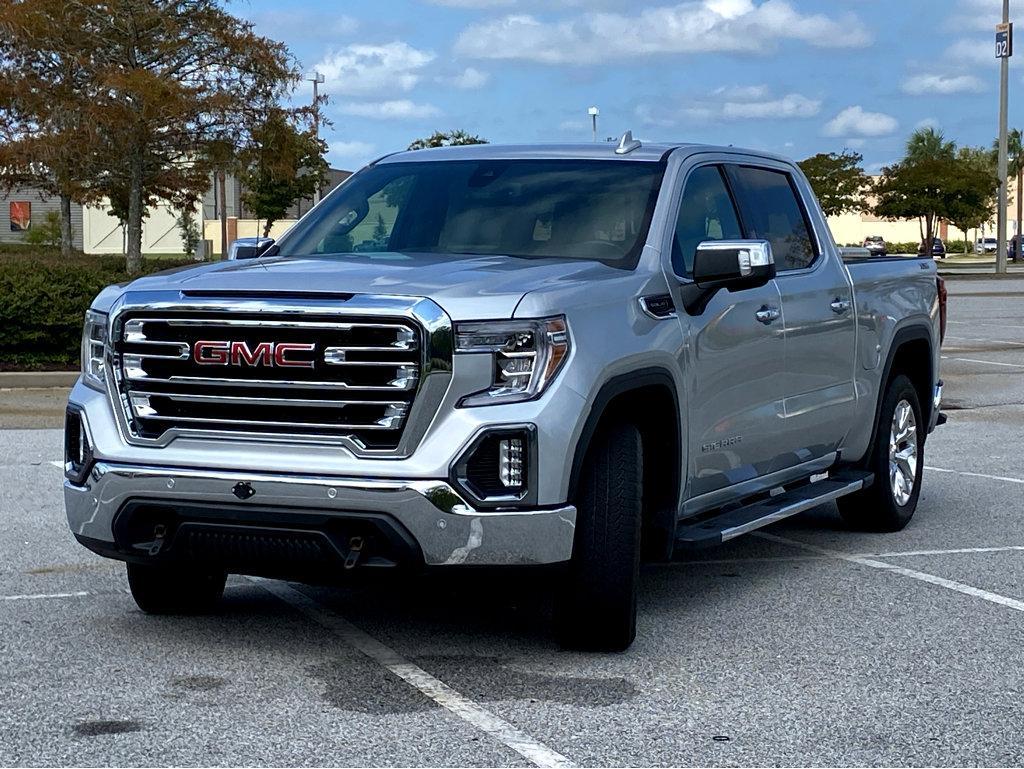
(448, 530)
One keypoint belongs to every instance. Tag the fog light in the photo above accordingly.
(497, 470)
(510, 462)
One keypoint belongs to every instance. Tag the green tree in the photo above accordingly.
(972, 212)
(932, 188)
(189, 227)
(1015, 167)
(283, 164)
(162, 81)
(838, 180)
(929, 144)
(48, 136)
(380, 229)
(447, 139)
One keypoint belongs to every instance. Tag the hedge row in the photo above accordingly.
(43, 299)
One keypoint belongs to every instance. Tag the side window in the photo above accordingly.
(706, 212)
(369, 228)
(772, 212)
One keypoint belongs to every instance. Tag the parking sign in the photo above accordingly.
(1004, 40)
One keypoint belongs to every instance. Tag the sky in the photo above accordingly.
(795, 77)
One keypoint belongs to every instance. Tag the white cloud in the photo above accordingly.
(366, 69)
(467, 80)
(930, 84)
(397, 109)
(731, 103)
(353, 153)
(792, 105)
(980, 15)
(308, 24)
(854, 121)
(695, 26)
(972, 51)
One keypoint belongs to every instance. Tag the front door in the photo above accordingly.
(733, 352)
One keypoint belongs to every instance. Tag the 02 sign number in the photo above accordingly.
(1004, 41)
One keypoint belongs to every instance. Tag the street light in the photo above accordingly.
(316, 79)
(1004, 50)
(594, 112)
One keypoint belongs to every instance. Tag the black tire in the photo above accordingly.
(597, 607)
(877, 508)
(175, 590)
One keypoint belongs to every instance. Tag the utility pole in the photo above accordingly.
(594, 112)
(1004, 50)
(316, 78)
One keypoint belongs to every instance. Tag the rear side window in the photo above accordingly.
(706, 212)
(771, 211)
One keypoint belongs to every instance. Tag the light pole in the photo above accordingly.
(316, 78)
(1004, 49)
(594, 112)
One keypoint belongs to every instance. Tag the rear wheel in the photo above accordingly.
(175, 589)
(896, 459)
(597, 607)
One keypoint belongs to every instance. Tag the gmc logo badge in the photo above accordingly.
(270, 354)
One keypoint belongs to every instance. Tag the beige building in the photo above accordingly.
(852, 228)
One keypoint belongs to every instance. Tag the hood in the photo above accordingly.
(465, 286)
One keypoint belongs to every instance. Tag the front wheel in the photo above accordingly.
(596, 610)
(175, 589)
(897, 459)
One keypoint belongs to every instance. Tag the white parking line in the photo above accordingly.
(953, 551)
(43, 596)
(533, 751)
(1003, 478)
(949, 584)
(989, 362)
(990, 341)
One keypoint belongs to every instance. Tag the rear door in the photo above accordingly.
(817, 308)
(732, 360)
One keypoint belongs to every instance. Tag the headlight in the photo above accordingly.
(94, 344)
(527, 355)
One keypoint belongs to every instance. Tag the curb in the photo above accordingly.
(36, 379)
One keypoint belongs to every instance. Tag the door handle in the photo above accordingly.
(839, 305)
(767, 314)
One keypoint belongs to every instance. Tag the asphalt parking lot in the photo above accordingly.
(807, 644)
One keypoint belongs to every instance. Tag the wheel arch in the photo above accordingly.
(642, 397)
(911, 353)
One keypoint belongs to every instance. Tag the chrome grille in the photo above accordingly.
(318, 377)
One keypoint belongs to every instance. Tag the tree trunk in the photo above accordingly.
(66, 237)
(134, 258)
(223, 215)
(266, 228)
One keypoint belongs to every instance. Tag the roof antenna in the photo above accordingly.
(627, 144)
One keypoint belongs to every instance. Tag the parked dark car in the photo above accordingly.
(875, 244)
(938, 248)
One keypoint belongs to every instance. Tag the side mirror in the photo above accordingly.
(733, 264)
(730, 264)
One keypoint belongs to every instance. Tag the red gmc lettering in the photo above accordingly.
(210, 353)
(262, 355)
(222, 353)
(284, 348)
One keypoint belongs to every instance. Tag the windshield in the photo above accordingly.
(576, 209)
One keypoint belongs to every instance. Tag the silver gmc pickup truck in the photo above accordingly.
(577, 357)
